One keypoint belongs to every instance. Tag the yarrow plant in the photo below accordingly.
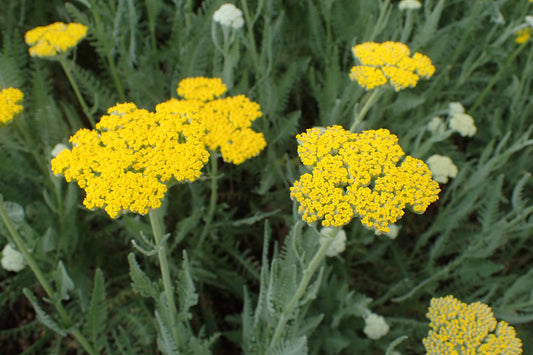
(229, 15)
(389, 62)
(460, 328)
(10, 103)
(359, 175)
(12, 260)
(227, 120)
(442, 168)
(126, 162)
(49, 41)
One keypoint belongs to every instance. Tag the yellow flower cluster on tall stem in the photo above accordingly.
(125, 163)
(359, 175)
(48, 41)
(460, 328)
(228, 120)
(9, 104)
(389, 62)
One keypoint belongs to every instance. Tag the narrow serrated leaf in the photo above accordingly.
(140, 282)
(97, 315)
(41, 314)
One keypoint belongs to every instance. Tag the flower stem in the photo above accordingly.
(66, 69)
(156, 220)
(213, 199)
(116, 80)
(251, 39)
(42, 280)
(358, 116)
(307, 275)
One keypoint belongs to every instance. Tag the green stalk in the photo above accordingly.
(251, 39)
(358, 116)
(378, 27)
(408, 27)
(498, 74)
(213, 199)
(307, 275)
(116, 80)
(82, 102)
(156, 220)
(42, 280)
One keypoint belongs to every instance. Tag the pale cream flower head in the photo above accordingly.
(455, 108)
(409, 5)
(436, 125)
(12, 260)
(463, 124)
(228, 15)
(441, 167)
(375, 326)
(338, 245)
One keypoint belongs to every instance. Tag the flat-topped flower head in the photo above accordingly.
(9, 104)
(200, 88)
(460, 328)
(227, 121)
(126, 162)
(389, 62)
(48, 41)
(359, 175)
(229, 15)
(442, 168)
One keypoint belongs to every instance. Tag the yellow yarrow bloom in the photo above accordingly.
(227, 121)
(459, 328)
(126, 163)
(48, 41)
(9, 104)
(389, 62)
(523, 35)
(359, 175)
(200, 88)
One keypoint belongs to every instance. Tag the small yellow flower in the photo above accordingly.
(389, 62)
(523, 35)
(125, 163)
(48, 41)
(359, 175)
(459, 328)
(9, 99)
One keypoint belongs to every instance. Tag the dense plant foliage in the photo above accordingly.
(266, 177)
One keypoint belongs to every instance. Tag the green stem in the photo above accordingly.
(82, 102)
(307, 275)
(408, 27)
(42, 280)
(358, 116)
(498, 74)
(156, 220)
(378, 27)
(213, 199)
(251, 39)
(116, 80)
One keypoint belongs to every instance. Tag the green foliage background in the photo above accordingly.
(293, 59)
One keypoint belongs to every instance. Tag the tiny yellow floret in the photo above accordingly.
(470, 328)
(359, 175)
(48, 41)
(389, 62)
(9, 104)
(523, 35)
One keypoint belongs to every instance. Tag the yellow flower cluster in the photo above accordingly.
(9, 99)
(48, 41)
(359, 175)
(389, 62)
(125, 163)
(228, 120)
(523, 35)
(458, 328)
